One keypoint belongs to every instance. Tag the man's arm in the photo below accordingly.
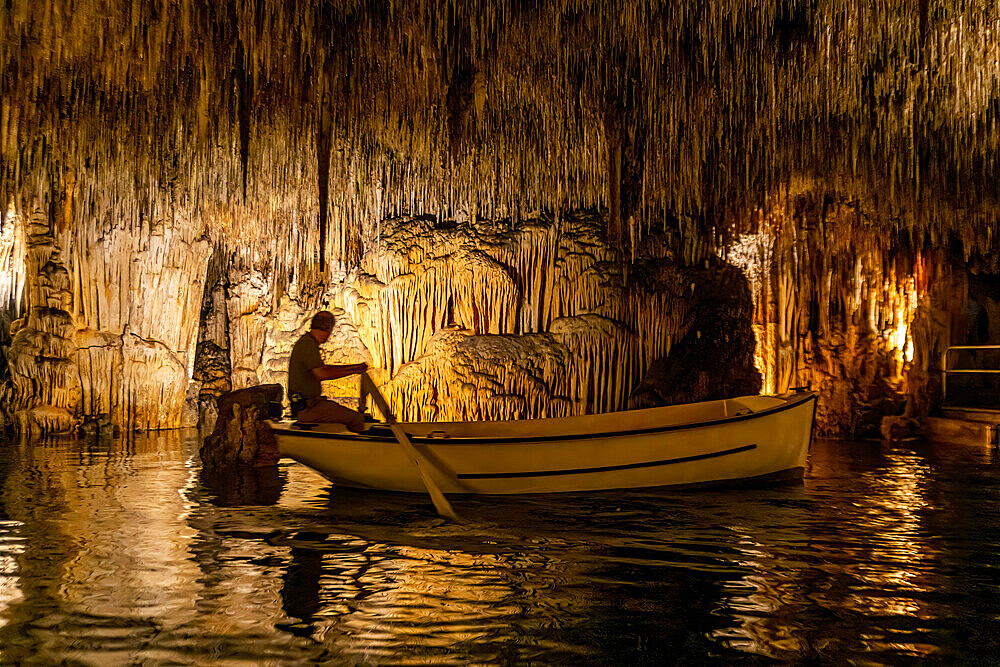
(333, 372)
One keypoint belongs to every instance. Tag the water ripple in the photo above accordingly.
(129, 553)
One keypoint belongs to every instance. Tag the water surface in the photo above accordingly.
(128, 552)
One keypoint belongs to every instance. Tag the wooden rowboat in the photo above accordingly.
(739, 439)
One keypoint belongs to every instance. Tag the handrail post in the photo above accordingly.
(944, 375)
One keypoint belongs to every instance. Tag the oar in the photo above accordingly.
(441, 503)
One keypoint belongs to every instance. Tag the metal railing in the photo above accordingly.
(945, 371)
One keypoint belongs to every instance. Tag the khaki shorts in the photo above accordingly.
(324, 411)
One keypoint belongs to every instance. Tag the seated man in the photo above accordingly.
(306, 371)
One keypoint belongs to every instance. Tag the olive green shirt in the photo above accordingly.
(305, 357)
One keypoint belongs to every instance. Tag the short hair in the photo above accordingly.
(323, 320)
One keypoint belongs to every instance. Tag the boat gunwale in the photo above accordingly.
(791, 402)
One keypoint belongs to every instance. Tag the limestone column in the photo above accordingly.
(44, 388)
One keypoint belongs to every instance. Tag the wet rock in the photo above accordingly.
(898, 427)
(241, 437)
(715, 358)
(43, 385)
(105, 331)
(98, 427)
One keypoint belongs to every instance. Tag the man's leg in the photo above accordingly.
(325, 411)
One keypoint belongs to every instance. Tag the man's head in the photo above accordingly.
(321, 325)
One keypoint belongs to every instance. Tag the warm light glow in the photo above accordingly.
(892, 566)
(11, 547)
(753, 253)
(898, 334)
(12, 252)
(773, 265)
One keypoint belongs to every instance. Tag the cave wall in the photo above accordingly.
(211, 173)
(864, 318)
(477, 319)
(137, 304)
(108, 324)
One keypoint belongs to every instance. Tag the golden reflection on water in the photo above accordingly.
(879, 575)
(128, 560)
(371, 603)
(10, 547)
(901, 555)
(377, 596)
(129, 552)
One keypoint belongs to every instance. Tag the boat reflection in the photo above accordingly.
(128, 552)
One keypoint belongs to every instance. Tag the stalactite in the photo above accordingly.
(12, 268)
(722, 104)
(244, 87)
(247, 123)
(323, 139)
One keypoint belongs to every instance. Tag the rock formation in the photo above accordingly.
(503, 201)
(43, 389)
(240, 436)
(479, 320)
(715, 358)
(108, 328)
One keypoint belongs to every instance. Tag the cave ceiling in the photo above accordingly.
(234, 113)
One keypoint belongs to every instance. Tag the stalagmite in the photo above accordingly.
(241, 437)
(43, 387)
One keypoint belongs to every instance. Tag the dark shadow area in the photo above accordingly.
(236, 486)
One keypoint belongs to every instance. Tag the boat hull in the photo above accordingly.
(765, 444)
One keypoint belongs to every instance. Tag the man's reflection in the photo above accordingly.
(300, 594)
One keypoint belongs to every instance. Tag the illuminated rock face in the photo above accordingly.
(109, 328)
(43, 390)
(862, 318)
(201, 126)
(479, 320)
(485, 280)
(137, 301)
